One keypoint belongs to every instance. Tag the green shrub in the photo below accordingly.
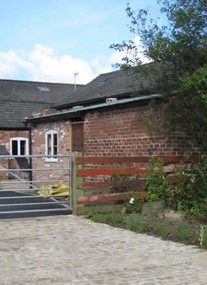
(132, 205)
(189, 191)
(198, 210)
(157, 184)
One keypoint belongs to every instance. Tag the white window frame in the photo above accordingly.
(52, 146)
(19, 140)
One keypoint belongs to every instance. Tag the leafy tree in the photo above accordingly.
(178, 51)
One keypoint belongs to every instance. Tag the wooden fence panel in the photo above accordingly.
(110, 195)
(110, 171)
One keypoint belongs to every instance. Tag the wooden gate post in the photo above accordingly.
(76, 180)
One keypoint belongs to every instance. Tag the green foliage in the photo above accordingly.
(132, 205)
(161, 229)
(178, 52)
(99, 218)
(183, 231)
(153, 123)
(189, 192)
(188, 110)
(194, 98)
(89, 214)
(137, 223)
(114, 218)
(198, 210)
(157, 184)
(187, 232)
(202, 237)
(181, 42)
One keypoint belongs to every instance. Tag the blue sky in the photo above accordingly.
(50, 40)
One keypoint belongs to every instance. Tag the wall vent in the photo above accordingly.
(111, 100)
(77, 107)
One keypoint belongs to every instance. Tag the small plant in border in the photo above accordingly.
(201, 235)
(132, 205)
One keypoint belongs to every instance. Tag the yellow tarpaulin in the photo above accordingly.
(59, 191)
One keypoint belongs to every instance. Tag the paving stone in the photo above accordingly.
(70, 250)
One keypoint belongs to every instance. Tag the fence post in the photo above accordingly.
(76, 180)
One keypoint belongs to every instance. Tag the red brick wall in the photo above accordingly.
(5, 137)
(122, 132)
(112, 132)
(39, 148)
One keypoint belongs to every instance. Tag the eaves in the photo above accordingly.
(76, 113)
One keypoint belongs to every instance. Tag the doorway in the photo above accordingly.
(77, 137)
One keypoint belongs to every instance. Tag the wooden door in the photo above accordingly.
(77, 137)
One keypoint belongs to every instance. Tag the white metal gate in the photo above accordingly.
(35, 185)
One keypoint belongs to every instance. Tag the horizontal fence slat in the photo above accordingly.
(109, 197)
(104, 159)
(101, 166)
(97, 185)
(177, 159)
(132, 159)
(110, 171)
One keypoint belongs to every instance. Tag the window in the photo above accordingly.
(19, 146)
(51, 145)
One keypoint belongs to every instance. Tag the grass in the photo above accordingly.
(188, 231)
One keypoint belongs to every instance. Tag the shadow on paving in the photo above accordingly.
(21, 205)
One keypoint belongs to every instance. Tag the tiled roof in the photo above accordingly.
(12, 114)
(113, 84)
(29, 91)
(19, 99)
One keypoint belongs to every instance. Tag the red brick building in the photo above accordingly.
(105, 118)
(18, 100)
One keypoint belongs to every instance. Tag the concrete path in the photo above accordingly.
(69, 250)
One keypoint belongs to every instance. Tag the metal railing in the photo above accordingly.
(36, 187)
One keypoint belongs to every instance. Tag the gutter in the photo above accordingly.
(76, 113)
(13, 129)
(54, 117)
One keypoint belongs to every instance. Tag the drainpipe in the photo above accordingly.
(30, 153)
(28, 126)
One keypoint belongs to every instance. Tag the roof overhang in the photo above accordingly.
(93, 100)
(77, 113)
(14, 128)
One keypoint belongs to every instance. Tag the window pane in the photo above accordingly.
(55, 144)
(49, 152)
(55, 139)
(49, 143)
(22, 147)
(49, 139)
(14, 148)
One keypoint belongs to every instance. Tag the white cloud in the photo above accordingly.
(42, 64)
(117, 57)
(102, 64)
(9, 63)
(48, 67)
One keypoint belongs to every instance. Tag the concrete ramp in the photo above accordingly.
(22, 205)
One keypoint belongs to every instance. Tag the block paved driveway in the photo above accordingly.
(72, 250)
